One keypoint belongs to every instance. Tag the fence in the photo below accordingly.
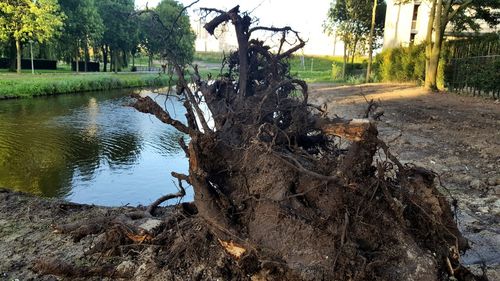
(479, 76)
(147, 69)
(473, 65)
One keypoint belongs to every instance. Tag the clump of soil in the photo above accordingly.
(282, 192)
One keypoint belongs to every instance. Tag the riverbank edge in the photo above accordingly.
(27, 233)
(17, 87)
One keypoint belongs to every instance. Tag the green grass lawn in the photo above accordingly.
(62, 80)
(28, 85)
(314, 68)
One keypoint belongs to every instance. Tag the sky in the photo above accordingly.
(304, 16)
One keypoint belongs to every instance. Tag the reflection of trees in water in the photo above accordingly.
(42, 159)
(123, 151)
(46, 143)
(168, 143)
(32, 161)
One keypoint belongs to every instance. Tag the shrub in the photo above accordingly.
(401, 64)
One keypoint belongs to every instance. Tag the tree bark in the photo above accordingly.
(431, 75)
(344, 62)
(115, 61)
(428, 42)
(370, 42)
(105, 57)
(18, 53)
(87, 55)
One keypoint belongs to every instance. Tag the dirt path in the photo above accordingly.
(458, 137)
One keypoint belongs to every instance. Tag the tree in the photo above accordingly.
(120, 30)
(166, 30)
(370, 41)
(351, 21)
(83, 25)
(25, 20)
(177, 38)
(463, 15)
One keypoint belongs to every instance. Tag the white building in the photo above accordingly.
(406, 23)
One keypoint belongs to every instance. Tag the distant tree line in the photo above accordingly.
(109, 31)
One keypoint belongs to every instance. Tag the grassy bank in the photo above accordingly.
(27, 85)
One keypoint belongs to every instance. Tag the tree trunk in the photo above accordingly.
(18, 53)
(344, 62)
(431, 75)
(370, 42)
(115, 61)
(428, 41)
(12, 54)
(87, 55)
(105, 57)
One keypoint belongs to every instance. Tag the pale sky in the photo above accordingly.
(304, 16)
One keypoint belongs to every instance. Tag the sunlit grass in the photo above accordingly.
(27, 85)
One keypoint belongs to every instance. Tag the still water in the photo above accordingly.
(90, 148)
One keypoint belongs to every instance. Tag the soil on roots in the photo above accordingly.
(281, 191)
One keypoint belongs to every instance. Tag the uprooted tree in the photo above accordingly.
(281, 191)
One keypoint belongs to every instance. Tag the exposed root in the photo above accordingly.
(282, 192)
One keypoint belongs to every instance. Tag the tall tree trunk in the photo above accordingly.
(431, 75)
(344, 63)
(111, 60)
(18, 53)
(370, 42)
(105, 57)
(87, 55)
(150, 61)
(428, 40)
(77, 57)
(115, 61)
(12, 51)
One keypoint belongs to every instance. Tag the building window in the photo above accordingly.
(412, 38)
(415, 16)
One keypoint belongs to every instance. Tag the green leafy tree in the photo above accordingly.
(351, 21)
(120, 30)
(166, 30)
(83, 26)
(177, 37)
(24, 20)
(463, 14)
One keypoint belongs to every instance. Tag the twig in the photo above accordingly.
(182, 192)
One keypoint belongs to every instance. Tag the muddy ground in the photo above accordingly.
(458, 137)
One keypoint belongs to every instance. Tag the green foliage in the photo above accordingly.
(209, 57)
(25, 20)
(351, 21)
(18, 86)
(164, 32)
(403, 64)
(82, 25)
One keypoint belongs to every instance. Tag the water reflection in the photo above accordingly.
(88, 148)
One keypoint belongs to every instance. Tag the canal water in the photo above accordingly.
(90, 148)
